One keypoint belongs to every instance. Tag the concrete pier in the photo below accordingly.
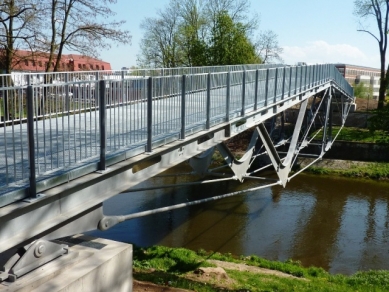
(92, 264)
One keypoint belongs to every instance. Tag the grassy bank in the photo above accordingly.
(352, 134)
(367, 170)
(179, 267)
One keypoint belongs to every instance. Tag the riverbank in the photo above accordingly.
(347, 168)
(177, 269)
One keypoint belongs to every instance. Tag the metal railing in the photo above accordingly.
(59, 121)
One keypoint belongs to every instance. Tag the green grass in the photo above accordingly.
(374, 170)
(351, 134)
(169, 266)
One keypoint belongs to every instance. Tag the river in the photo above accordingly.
(341, 225)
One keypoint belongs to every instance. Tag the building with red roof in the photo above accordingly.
(27, 61)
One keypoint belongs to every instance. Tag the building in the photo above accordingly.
(27, 61)
(359, 74)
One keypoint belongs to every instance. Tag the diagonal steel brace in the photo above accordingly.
(239, 166)
(283, 168)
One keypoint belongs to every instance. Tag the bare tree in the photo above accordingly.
(18, 28)
(160, 47)
(83, 26)
(378, 10)
(268, 48)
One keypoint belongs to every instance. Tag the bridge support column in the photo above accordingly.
(92, 264)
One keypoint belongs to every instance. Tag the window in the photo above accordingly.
(26, 62)
(79, 66)
(83, 66)
(97, 67)
(102, 67)
(33, 63)
(91, 66)
(40, 63)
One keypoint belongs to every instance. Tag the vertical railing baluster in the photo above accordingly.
(256, 89)
(295, 81)
(67, 97)
(208, 106)
(267, 87)
(283, 83)
(102, 122)
(31, 141)
(183, 105)
(290, 81)
(228, 96)
(149, 114)
(243, 94)
(313, 82)
(275, 88)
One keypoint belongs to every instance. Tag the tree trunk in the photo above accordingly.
(383, 82)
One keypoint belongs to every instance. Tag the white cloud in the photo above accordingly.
(323, 52)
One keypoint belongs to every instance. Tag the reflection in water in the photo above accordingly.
(338, 224)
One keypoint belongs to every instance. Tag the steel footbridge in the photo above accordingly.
(71, 140)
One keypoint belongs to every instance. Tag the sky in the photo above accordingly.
(311, 31)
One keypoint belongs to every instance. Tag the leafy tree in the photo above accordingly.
(199, 33)
(378, 10)
(230, 44)
(362, 90)
(192, 33)
(380, 120)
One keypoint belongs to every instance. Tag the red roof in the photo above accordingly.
(36, 61)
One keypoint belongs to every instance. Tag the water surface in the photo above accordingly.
(338, 224)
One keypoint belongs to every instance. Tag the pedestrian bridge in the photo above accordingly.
(71, 140)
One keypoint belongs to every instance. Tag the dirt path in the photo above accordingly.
(211, 277)
(251, 269)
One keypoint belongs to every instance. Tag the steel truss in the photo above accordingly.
(316, 110)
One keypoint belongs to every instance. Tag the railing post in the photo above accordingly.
(313, 76)
(67, 97)
(149, 114)
(122, 97)
(243, 93)
(290, 81)
(295, 81)
(208, 109)
(31, 141)
(267, 86)
(275, 89)
(228, 96)
(256, 89)
(283, 83)
(183, 105)
(103, 122)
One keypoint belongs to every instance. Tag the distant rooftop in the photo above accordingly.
(355, 66)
